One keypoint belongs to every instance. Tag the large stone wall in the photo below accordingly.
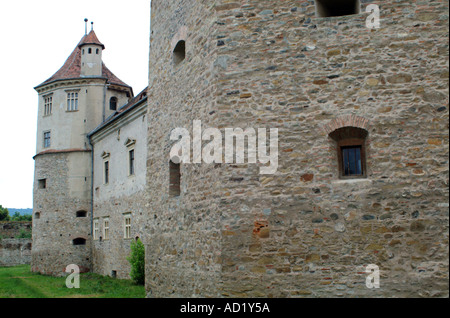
(253, 64)
(183, 238)
(55, 221)
(13, 250)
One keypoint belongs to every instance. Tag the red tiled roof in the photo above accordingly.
(90, 38)
(72, 67)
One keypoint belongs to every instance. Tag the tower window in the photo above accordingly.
(131, 162)
(106, 172)
(79, 241)
(37, 215)
(89, 51)
(336, 8)
(48, 103)
(351, 151)
(47, 139)
(72, 101)
(97, 51)
(81, 214)
(113, 103)
(179, 53)
(175, 179)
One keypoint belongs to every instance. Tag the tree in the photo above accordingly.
(20, 218)
(4, 214)
(137, 261)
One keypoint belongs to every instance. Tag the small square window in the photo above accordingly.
(336, 8)
(42, 184)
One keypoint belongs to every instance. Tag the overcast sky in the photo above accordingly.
(36, 39)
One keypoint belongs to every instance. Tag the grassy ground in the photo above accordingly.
(19, 282)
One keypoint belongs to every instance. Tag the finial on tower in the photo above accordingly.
(92, 26)
(85, 26)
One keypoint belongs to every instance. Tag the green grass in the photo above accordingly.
(20, 282)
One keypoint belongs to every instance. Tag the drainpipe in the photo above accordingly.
(92, 199)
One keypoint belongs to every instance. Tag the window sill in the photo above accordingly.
(72, 111)
(354, 181)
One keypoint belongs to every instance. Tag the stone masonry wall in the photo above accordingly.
(14, 251)
(290, 70)
(183, 237)
(58, 224)
(302, 232)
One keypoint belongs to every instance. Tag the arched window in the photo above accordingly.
(81, 214)
(97, 51)
(351, 151)
(89, 51)
(336, 8)
(37, 215)
(79, 241)
(179, 53)
(175, 179)
(113, 103)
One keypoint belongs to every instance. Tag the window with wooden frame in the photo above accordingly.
(106, 229)
(72, 101)
(48, 105)
(47, 139)
(127, 226)
(351, 152)
(96, 229)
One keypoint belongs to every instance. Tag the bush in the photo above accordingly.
(137, 261)
(4, 214)
(24, 234)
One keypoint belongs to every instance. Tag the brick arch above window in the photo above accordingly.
(346, 121)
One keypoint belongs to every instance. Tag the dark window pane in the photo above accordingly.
(351, 160)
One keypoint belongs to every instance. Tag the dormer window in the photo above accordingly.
(336, 8)
(179, 53)
(113, 103)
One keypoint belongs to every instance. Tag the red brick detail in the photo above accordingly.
(346, 121)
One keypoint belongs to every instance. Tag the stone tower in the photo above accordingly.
(75, 100)
(332, 84)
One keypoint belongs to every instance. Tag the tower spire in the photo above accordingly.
(85, 26)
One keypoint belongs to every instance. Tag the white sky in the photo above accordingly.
(36, 39)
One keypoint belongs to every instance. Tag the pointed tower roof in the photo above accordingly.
(72, 67)
(90, 38)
